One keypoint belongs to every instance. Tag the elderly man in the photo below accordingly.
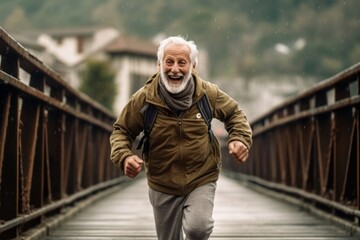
(182, 156)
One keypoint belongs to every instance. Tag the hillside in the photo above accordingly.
(248, 38)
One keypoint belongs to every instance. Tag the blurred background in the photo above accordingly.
(258, 51)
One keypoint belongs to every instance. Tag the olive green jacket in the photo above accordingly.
(181, 156)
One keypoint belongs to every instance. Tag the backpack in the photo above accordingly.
(150, 112)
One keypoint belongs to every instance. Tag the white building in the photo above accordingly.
(73, 46)
(133, 60)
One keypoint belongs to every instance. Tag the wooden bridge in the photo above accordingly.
(302, 180)
(240, 213)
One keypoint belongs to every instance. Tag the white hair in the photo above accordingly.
(178, 40)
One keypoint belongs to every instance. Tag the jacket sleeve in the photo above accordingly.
(126, 128)
(227, 110)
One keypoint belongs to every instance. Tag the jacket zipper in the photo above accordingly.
(181, 160)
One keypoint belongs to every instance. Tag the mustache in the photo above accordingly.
(175, 74)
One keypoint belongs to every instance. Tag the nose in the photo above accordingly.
(175, 68)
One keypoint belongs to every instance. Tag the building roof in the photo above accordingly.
(132, 45)
(73, 31)
(28, 42)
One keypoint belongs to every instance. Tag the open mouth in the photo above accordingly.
(175, 78)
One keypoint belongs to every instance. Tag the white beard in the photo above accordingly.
(174, 88)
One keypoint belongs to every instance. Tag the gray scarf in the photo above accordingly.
(178, 101)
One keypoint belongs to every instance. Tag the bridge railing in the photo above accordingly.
(309, 146)
(54, 141)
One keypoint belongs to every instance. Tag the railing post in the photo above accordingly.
(56, 129)
(343, 123)
(10, 160)
(357, 112)
(37, 81)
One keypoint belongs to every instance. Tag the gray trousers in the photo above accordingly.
(190, 215)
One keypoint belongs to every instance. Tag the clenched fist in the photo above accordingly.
(239, 151)
(132, 166)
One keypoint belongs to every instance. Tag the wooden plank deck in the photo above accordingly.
(240, 213)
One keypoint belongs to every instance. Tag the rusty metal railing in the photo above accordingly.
(54, 141)
(309, 146)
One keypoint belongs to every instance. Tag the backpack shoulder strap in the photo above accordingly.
(150, 112)
(205, 109)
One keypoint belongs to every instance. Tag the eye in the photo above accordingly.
(182, 63)
(169, 62)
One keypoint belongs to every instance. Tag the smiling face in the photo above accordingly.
(176, 67)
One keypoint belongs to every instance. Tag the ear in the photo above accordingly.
(194, 70)
(158, 66)
(194, 67)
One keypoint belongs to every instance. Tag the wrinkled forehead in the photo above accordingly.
(177, 49)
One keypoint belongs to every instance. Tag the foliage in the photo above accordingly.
(240, 36)
(98, 82)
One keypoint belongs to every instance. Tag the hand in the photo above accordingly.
(239, 151)
(132, 166)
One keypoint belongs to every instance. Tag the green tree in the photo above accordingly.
(99, 82)
(17, 20)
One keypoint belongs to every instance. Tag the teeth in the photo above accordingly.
(175, 78)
